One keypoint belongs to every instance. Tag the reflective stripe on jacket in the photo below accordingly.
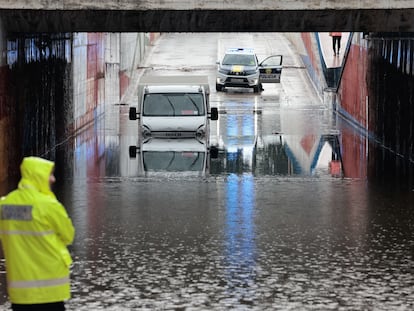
(35, 231)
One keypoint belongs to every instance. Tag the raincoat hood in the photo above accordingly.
(35, 173)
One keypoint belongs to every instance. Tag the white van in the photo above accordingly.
(173, 107)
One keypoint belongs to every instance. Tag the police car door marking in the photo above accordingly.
(16, 212)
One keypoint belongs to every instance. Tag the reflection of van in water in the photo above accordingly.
(173, 107)
(160, 155)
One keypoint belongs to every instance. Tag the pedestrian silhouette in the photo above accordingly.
(336, 41)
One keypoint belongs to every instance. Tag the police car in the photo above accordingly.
(241, 68)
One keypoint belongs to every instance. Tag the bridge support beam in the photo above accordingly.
(369, 20)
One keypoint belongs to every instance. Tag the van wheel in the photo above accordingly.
(256, 89)
(219, 87)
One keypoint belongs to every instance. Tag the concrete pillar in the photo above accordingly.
(112, 64)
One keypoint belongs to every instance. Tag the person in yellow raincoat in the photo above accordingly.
(35, 230)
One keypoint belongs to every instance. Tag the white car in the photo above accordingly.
(241, 68)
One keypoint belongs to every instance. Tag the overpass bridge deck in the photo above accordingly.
(134, 5)
(206, 16)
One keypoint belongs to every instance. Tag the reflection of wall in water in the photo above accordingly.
(282, 155)
(271, 159)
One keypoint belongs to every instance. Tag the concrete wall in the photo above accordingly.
(350, 96)
(353, 98)
(352, 102)
(348, 99)
(44, 100)
(31, 96)
(375, 96)
(134, 47)
(4, 111)
(391, 87)
(103, 64)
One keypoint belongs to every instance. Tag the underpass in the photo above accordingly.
(234, 239)
(133, 26)
(268, 227)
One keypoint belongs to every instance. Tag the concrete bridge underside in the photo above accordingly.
(55, 16)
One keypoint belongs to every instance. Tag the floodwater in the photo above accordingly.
(258, 230)
(286, 216)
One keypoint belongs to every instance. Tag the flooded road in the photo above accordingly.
(238, 241)
(284, 218)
